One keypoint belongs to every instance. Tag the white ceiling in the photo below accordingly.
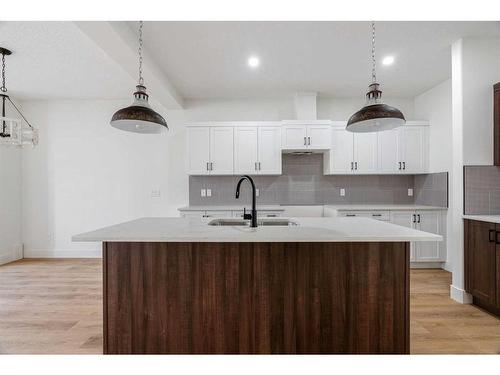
(208, 59)
(56, 60)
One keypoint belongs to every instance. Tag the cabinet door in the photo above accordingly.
(481, 255)
(221, 150)
(405, 219)
(269, 150)
(412, 148)
(365, 152)
(388, 151)
(341, 152)
(198, 150)
(428, 221)
(319, 136)
(294, 137)
(245, 150)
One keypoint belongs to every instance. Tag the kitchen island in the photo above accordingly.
(324, 285)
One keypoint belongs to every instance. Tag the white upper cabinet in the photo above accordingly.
(246, 150)
(269, 150)
(198, 150)
(365, 153)
(388, 151)
(221, 150)
(294, 137)
(413, 149)
(340, 158)
(257, 150)
(300, 136)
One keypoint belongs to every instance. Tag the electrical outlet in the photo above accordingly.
(155, 193)
(203, 193)
(410, 192)
(209, 192)
(257, 192)
(342, 192)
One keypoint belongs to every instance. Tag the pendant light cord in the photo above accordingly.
(3, 88)
(141, 80)
(374, 74)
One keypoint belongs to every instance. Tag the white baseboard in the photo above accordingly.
(460, 295)
(15, 254)
(447, 267)
(90, 253)
(426, 265)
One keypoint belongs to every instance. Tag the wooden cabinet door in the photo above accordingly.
(365, 153)
(388, 152)
(319, 136)
(496, 124)
(269, 150)
(481, 258)
(341, 153)
(198, 150)
(294, 137)
(221, 150)
(245, 150)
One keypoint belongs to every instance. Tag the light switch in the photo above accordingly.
(209, 192)
(342, 192)
(203, 193)
(410, 192)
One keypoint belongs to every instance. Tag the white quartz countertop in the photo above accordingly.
(321, 229)
(231, 208)
(487, 218)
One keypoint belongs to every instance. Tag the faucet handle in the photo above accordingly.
(245, 215)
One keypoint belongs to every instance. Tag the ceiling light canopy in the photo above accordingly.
(139, 117)
(253, 62)
(375, 116)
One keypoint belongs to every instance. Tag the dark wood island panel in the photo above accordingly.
(256, 298)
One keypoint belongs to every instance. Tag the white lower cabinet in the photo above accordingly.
(427, 221)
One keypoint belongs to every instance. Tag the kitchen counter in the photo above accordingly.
(321, 229)
(486, 218)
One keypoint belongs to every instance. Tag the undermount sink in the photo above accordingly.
(246, 223)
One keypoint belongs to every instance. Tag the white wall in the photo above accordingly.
(10, 201)
(480, 70)
(85, 174)
(435, 105)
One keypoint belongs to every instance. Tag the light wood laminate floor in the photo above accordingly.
(55, 306)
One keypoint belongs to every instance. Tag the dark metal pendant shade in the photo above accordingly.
(139, 117)
(375, 116)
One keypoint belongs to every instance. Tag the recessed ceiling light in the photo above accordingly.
(253, 62)
(388, 60)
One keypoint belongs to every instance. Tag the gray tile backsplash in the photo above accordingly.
(303, 183)
(482, 190)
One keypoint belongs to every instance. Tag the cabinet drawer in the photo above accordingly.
(377, 215)
(239, 214)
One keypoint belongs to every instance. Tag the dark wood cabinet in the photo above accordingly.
(482, 263)
(496, 124)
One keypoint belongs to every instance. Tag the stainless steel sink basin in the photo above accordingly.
(246, 223)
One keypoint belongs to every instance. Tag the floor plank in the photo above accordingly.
(51, 306)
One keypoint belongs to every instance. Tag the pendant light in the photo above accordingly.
(375, 116)
(13, 131)
(139, 117)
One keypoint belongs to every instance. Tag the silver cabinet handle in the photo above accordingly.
(356, 165)
(418, 221)
(404, 165)
(256, 166)
(309, 141)
(350, 215)
(305, 141)
(211, 166)
(399, 165)
(207, 166)
(352, 165)
(259, 165)
(414, 218)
